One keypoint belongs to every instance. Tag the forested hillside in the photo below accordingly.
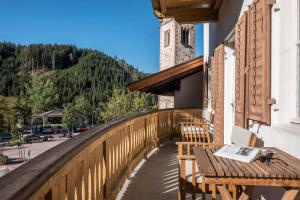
(74, 71)
(37, 78)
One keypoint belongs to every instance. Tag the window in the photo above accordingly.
(167, 38)
(185, 32)
(298, 61)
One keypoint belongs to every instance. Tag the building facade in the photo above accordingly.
(177, 45)
(261, 70)
(282, 130)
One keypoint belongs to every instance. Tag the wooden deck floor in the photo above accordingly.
(156, 178)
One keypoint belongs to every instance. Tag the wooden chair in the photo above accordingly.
(184, 117)
(190, 180)
(195, 132)
(243, 137)
(197, 129)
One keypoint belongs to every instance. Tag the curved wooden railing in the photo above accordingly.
(95, 164)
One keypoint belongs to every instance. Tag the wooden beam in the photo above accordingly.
(171, 73)
(192, 15)
(254, 181)
(155, 4)
(246, 194)
(189, 11)
(217, 4)
(190, 3)
(163, 6)
(290, 194)
(224, 192)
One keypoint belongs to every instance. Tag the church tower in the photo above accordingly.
(177, 45)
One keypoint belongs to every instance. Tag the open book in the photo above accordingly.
(240, 153)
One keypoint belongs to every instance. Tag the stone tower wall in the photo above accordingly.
(185, 52)
(175, 53)
(167, 54)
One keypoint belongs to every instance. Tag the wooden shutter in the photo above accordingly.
(240, 69)
(213, 80)
(259, 61)
(205, 85)
(218, 93)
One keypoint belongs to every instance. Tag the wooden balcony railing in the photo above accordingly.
(95, 164)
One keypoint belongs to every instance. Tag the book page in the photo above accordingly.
(236, 152)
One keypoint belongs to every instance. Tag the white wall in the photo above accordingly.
(282, 133)
(229, 87)
(190, 94)
(167, 54)
(283, 69)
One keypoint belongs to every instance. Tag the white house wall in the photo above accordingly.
(190, 94)
(282, 133)
(229, 92)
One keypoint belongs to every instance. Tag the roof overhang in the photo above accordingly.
(52, 113)
(166, 82)
(187, 11)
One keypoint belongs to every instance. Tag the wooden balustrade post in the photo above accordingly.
(145, 138)
(128, 149)
(130, 144)
(172, 122)
(106, 184)
(158, 130)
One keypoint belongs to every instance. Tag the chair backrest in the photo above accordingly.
(243, 137)
(194, 132)
(206, 115)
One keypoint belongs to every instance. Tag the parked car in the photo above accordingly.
(60, 130)
(30, 137)
(47, 129)
(5, 137)
(83, 128)
(68, 134)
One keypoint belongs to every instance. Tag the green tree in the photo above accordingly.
(124, 103)
(74, 71)
(42, 93)
(23, 109)
(8, 119)
(80, 106)
(69, 118)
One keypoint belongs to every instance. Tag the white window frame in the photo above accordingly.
(296, 113)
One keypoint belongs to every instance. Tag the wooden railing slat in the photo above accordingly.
(101, 162)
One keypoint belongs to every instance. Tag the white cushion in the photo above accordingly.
(240, 136)
(192, 129)
(189, 170)
(206, 115)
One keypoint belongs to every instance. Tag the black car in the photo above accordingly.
(5, 137)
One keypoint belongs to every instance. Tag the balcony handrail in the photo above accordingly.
(101, 151)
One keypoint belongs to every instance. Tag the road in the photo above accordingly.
(35, 149)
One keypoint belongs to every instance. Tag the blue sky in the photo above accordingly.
(126, 29)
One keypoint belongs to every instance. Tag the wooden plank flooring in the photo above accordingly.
(157, 178)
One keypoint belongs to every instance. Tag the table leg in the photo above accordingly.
(246, 192)
(213, 191)
(290, 194)
(234, 191)
(224, 192)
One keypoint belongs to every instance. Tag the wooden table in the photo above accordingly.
(221, 172)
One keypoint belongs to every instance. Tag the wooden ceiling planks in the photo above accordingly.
(187, 11)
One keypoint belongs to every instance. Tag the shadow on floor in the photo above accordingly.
(156, 178)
